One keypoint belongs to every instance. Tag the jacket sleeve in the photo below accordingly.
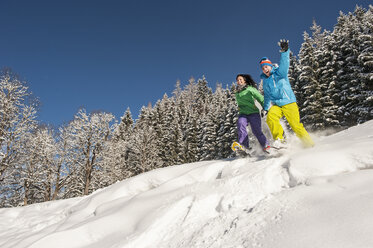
(283, 67)
(259, 97)
(267, 99)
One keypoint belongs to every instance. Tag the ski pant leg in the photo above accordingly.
(291, 112)
(273, 121)
(243, 137)
(256, 127)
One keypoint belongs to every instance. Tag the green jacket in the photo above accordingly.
(245, 100)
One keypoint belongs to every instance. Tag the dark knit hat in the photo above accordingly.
(265, 61)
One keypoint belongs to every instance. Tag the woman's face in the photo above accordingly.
(241, 81)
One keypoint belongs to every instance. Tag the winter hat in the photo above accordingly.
(265, 61)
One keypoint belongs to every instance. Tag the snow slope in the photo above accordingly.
(318, 197)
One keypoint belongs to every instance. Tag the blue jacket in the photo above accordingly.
(277, 88)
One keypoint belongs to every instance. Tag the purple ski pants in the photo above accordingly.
(256, 127)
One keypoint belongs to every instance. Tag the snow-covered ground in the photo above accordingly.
(319, 197)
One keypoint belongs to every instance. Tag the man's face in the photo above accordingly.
(267, 70)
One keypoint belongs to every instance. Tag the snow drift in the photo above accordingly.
(318, 197)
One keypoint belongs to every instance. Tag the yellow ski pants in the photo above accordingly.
(291, 113)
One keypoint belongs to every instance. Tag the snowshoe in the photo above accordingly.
(240, 150)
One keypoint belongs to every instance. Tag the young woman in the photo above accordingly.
(246, 95)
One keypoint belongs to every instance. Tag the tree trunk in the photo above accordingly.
(25, 198)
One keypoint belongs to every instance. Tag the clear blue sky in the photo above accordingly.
(110, 55)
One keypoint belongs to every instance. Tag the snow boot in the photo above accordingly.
(279, 144)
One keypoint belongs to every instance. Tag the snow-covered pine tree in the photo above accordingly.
(218, 106)
(207, 132)
(159, 128)
(228, 131)
(365, 61)
(115, 156)
(225, 113)
(143, 154)
(326, 59)
(191, 94)
(309, 78)
(204, 96)
(340, 97)
(326, 76)
(179, 133)
(164, 117)
(218, 125)
(347, 48)
(125, 127)
(303, 76)
(208, 136)
(176, 135)
(190, 122)
(191, 139)
(182, 113)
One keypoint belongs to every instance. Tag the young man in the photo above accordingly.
(277, 90)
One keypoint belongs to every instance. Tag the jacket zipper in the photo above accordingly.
(274, 85)
(286, 94)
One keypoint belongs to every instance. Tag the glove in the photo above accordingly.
(263, 113)
(284, 44)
